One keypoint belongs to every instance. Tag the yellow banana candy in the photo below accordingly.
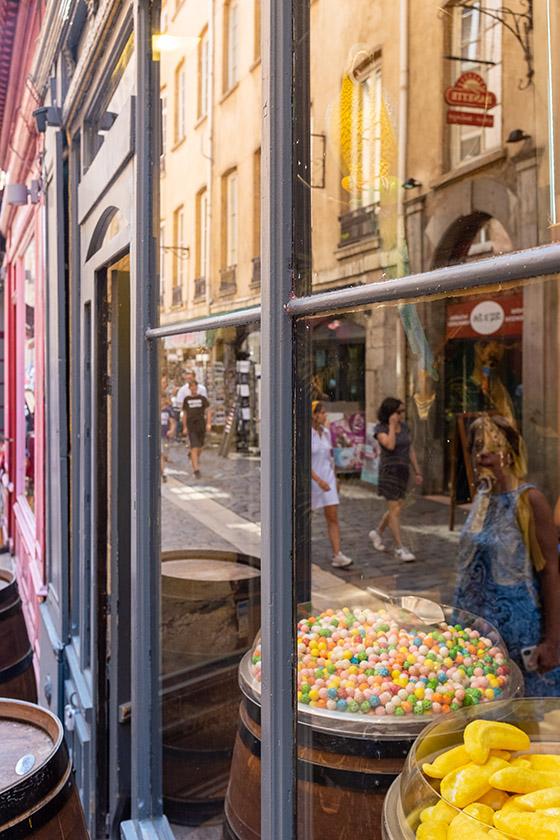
(480, 812)
(520, 761)
(544, 762)
(494, 834)
(469, 783)
(481, 736)
(465, 828)
(446, 762)
(443, 812)
(431, 830)
(496, 799)
(426, 814)
(511, 803)
(522, 780)
(528, 826)
(547, 798)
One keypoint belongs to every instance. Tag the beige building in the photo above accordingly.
(446, 100)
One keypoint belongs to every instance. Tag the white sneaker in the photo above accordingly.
(404, 554)
(375, 537)
(340, 560)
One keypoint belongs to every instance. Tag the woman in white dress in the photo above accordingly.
(324, 485)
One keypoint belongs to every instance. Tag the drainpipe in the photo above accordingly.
(401, 175)
(210, 152)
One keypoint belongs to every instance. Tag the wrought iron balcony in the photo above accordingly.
(256, 277)
(199, 288)
(228, 280)
(177, 296)
(357, 224)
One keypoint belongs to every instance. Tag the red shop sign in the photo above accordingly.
(470, 118)
(470, 91)
(485, 318)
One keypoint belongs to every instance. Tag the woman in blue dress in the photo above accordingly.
(508, 555)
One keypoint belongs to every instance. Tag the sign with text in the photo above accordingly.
(469, 91)
(470, 118)
(481, 318)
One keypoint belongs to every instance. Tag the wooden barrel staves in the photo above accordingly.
(38, 796)
(210, 617)
(342, 781)
(17, 677)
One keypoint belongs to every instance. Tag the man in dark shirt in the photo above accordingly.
(196, 422)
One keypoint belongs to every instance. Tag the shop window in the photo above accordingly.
(475, 63)
(256, 217)
(201, 254)
(203, 73)
(180, 102)
(231, 45)
(29, 374)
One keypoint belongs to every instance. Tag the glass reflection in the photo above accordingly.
(29, 350)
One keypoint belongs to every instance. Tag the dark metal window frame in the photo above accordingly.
(279, 313)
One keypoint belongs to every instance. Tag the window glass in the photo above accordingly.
(209, 246)
(29, 377)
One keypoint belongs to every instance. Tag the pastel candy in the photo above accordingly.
(547, 798)
(528, 826)
(481, 736)
(469, 783)
(431, 830)
(523, 780)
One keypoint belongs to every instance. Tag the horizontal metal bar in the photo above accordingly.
(213, 322)
(518, 266)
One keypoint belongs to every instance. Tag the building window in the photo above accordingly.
(201, 255)
(203, 74)
(229, 256)
(231, 45)
(257, 51)
(163, 129)
(257, 203)
(180, 102)
(476, 47)
(161, 264)
(365, 156)
(179, 255)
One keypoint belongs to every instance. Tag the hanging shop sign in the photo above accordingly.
(194, 339)
(470, 91)
(491, 317)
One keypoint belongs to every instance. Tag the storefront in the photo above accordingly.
(299, 267)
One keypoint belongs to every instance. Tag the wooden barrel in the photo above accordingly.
(38, 796)
(210, 617)
(342, 780)
(17, 677)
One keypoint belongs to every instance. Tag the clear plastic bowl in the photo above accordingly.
(413, 791)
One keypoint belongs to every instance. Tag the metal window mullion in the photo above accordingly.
(277, 577)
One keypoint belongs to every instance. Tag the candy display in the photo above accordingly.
(362, 661)
(492, 787)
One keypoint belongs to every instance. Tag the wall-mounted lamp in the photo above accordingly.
(411, 184)
(47, 115)
(17, 194)
(517, 135)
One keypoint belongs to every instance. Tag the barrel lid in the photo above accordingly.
(29, 736)
(203, 570)
(201, 578)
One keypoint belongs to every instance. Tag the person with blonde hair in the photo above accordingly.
(324, 484)
(508, 555)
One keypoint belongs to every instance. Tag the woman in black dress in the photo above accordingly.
(397, 453)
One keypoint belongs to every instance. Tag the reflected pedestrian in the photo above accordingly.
(196, 422)
(167, 431)
(324, 484)
(397, 453)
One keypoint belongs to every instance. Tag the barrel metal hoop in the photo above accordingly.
(253, 709)
(19, 797)
(322, 774)
(366, 747)
(30, 825)
(228, 833)
(11, 610)
(19, 667)
(9, 592)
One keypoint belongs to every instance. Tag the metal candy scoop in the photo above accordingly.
(411, 609)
